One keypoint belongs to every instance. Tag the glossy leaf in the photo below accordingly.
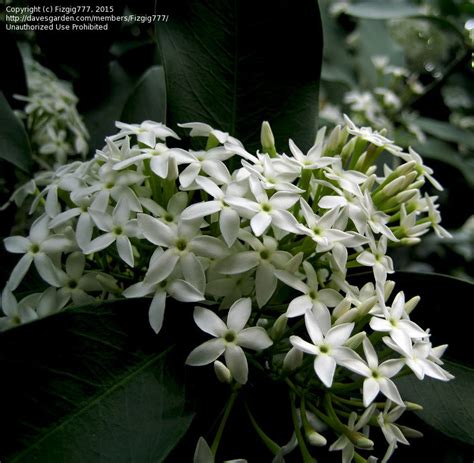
(148, 99)
(91, 384)
(236, 64)
(446, 131)
(100, 120)
(14, 144)
(444, 308)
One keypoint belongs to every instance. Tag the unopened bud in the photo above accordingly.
(316, 439)
(279, 327)
(364, 308)
(410, 432)
(355, 341)
(409, 178)
(393, 187)
(342, 308)
(267, 139)
(361, 441)
(405, 196)
(348, 149)
(108, 283)
(293, 359)
(333, 141)
(405, 168)
(411, 304)
(222, 372)
(412, 406)
(388, 288)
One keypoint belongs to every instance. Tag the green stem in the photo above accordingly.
(307, 458)
(220, 430)
(270, 444)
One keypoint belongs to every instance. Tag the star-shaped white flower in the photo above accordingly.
(229, 338)
(327, 347)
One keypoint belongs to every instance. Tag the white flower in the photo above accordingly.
(313, 159)
(37, 248)
(265, 257)
(182, 288)
(419, 359)
(265, 211)
(229, 220)
(229, 339)
(377, 376)
(147, 132)
(377, 259)
(343, 442)
(314, 299)
(328, 347)
(395, 321)
(119, 229)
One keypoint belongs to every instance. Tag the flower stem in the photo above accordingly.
(307, 458)
(270, 444)
(220, 430)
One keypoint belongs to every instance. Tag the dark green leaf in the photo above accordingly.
(148, 99)
(383, 10)
(444, 308)
(91, 384)
(375, 39)
(100, 120)
(442, 151)
(14, 144)
(234, 65)
(448, 407)
(446, 131)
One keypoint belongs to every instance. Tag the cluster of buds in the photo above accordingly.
(265, 242)
(55, 127)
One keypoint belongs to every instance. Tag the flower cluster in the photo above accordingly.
(265, 242)
(55, 127)
(386, 103)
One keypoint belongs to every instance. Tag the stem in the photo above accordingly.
(307, 458)
(220, 430)
(270, 444)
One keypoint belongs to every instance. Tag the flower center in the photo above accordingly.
(375, 374)
(266, 207)
(264, 254)
(229, 336)
(118, 230)
(34, 249)
(168, 217)
(181, 244)
(72, 284)
(323, 349)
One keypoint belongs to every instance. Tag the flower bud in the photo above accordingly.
(410, 432)
(365, 307)
(411, 304)
(393, 187)
(293, 359)
(222, 372)
(405, 168)
(412, 406)
(333, 141)
(410, 241)
(267, 139)
(279, 327)
(348, 149)
(316, 439)
(388, 288)
(355, 341)
(360, 441)
(409, 178)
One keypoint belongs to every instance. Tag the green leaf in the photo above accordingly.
(100, 120)
(14, 144)
(90, 384)
(235, 64)
(444, 308)
(383, 10)
(446, 131)
(375, 39)
(444, 152)
(148, 99)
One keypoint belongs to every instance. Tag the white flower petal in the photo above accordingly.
(389, 390)
(209, 322)
(239, 314)
(206, 353)
(303, 345)
(198, 210)
(260, 222)
(162, 267)
(19, 271)
(124, 248)
(229, 223)
(371, 389)
(155, 231)
(17, 244)
(339, 334)
(325, 366)
(255, 338)
(185, 292)
(265, 283)
(237, 363)
(157, 311)
(238, 263)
